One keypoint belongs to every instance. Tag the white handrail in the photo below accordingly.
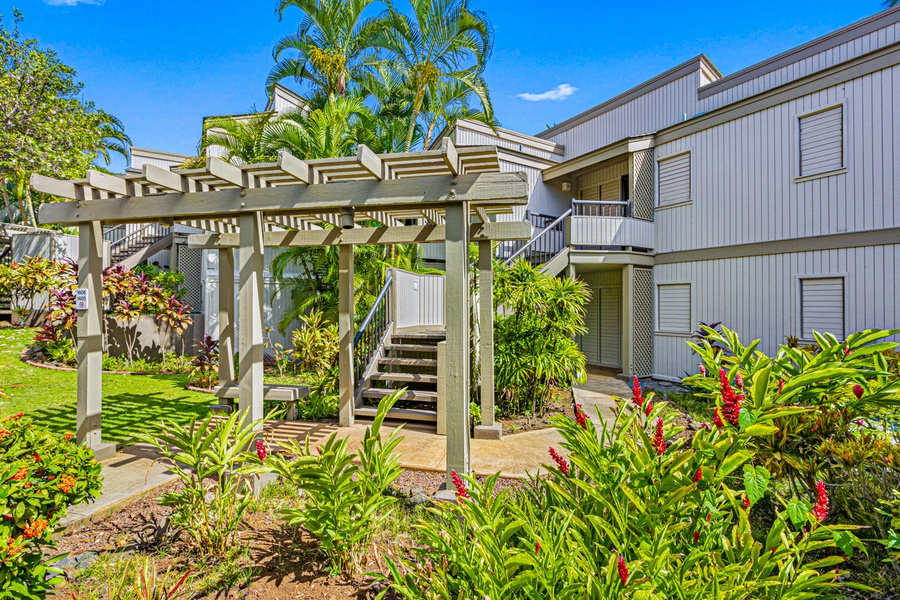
(546, 229)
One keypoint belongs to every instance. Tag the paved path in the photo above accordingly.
(134, 473)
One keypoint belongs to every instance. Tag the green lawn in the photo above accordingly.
(131, 403)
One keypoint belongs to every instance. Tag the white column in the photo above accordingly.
(489, 428)
(628, 320)
(345, 333)
(90, 342)
(456, 322)
(251, 315)
(226, 316)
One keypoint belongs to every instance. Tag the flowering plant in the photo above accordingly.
(41, 475)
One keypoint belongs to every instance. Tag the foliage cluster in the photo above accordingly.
(41, 475)
(204, 365)
(538, 317)
(637, 509)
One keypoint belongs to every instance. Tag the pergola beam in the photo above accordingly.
(408, 234)
(422, 192)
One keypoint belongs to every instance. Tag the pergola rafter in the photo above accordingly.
(446, 195)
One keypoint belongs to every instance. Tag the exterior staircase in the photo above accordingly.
(130, 245)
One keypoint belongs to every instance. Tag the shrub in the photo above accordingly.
(211, 459)
(633, 511)
(316, 347)
(534, 351)
(41, 475)
(345, 503)
(205, 363)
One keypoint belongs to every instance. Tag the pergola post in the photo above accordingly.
(226, 316)
(628, 320)
(250, 399)
(90, 341)
(346, 312)
(489, 428)
(456, 322)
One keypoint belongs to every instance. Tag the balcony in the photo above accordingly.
(606, 225)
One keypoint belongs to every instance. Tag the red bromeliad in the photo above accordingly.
(461, 493)
(623, 571)
(820, 510)
(560, 461)
(659, 440)
(637, 393)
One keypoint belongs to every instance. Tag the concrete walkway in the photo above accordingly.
(134, 472)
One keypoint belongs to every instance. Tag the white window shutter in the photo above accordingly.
(822, 141)
(822, 306)
(675, 179)
(674, 313)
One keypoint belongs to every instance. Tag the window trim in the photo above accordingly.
(799, 177)
(657, 303)
(656, 190)
(845, 276)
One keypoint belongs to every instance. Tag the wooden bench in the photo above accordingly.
(289, 394)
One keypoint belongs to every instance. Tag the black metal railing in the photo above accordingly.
(372, 330)
(543, 246)
(131, 242)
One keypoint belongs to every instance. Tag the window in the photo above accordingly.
(674, 313)
(821, 306)
(822, 141)
(675, 179)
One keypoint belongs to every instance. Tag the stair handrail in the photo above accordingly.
(372, 329)
(138, 232)
(544, 232)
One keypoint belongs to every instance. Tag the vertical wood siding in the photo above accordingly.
(744, 189)
(418, 299)
(836, 55)
(759, 297)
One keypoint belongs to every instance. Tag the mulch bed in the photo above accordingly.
(562, 404)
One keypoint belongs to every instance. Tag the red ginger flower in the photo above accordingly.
(649, 408)
(696, 537)
(659, 440)
(560, 461)
(461, 492)
(717, 419)
(581, 416)
(637, 393)
(731, 402)
(820, 510)
(698, 476)
(780, 386)
(745, 501)
(858, 391)
(261, 451)
(702, 370)
(623, 571)
(537, 548)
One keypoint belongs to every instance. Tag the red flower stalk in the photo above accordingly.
(560, 461)
(717, 419)
(637, 393)
(648, 408)
(623, 571)
(780, 386)
(858, 391)
(745, 501)
(731, 402)
(698, 476)
(580, 416)
(659, 440)
(702, 370)
(820, 510)
(261, 451)
(537, 548)
(696, 537)
(739, 381)
(461, 492)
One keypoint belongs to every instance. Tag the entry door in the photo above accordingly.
(590, 341)
(610, 327)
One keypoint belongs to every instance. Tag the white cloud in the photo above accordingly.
(73, 2)
(560, 92)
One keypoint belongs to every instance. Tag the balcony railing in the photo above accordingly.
(598, 224)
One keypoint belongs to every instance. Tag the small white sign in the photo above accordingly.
(81, 299)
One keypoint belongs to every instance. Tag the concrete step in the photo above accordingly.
(409, 362)
(410, 348)
(432, 336)
(410, 395)
(405, 377)
(400, 414)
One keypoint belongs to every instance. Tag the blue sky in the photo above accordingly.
(162, 65)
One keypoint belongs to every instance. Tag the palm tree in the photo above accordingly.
(244, 139)
(325, 132)
(447, 103)
(383, 128)
(113, 138)
(443, 41)
(332, 45)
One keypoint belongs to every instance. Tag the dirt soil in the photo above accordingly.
(562, 404)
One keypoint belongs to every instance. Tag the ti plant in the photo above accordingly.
(212, 460)
(630, 509)
(345, 502)
(203, 366)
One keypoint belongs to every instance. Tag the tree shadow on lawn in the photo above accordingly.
(126, 414)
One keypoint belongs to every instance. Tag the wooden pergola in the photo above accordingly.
(450, 195)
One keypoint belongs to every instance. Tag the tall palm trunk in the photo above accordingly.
(414, 118)
(9, 214)
(430, 133)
